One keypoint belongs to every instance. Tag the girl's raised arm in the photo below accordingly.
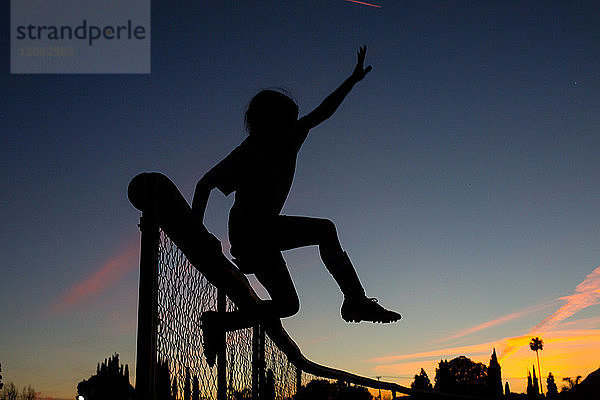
(333, 101)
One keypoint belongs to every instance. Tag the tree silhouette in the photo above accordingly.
(195, 388)
(163, 380)
(110, 382)
(531, 392)
(537, 344)
(187, 387)
(28, 393)
(506, 390)
(10, 392)
(174, 388)
(320, 389)
(462, 376)
(494, 377)
(1, 384)
(244, 394)
(536, 388)
(551, 389)
(421, 381)
(444, 381)
(571, 385)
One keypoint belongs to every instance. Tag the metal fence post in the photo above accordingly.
(258, 361)
(298, 380)
(222, 354)
(145, 374)
(269, 390)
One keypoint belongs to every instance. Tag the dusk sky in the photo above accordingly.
(463, 174)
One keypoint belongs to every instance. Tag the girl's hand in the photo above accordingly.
(360, 71)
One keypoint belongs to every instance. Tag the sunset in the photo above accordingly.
(443, 157)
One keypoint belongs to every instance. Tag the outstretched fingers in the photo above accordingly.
(360, 71)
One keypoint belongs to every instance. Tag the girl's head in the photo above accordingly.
(269, 113)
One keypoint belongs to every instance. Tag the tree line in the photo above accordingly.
(10, 391)
(464, 377)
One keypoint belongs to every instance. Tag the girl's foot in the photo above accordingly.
(366, 309)
(213, 335)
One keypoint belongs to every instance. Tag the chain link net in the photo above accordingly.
(183, 295)
(284, 372)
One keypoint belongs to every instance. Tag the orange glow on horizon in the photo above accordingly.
(566, 353)
(570, 348)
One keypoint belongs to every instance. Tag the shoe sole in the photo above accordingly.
(381, 320)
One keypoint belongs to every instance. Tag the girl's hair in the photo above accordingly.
(268, 111)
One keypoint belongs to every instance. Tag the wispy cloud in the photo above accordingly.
(498, 321)
(109, 274)
(439, 353)
(587, 294)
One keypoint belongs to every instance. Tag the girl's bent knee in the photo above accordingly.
(327, 228)
(288, 308)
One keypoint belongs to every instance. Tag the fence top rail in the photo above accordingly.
(162, 203)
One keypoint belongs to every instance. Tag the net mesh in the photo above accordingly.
(183, 295)
(284, 372)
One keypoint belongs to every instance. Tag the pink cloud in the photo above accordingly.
(587, 294)
(108, 275)
(497, 321)
(481, 348)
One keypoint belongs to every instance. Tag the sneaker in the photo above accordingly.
(367, 309)
(212, 335)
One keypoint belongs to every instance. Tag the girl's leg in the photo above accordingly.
(284, 303)
(293, 232)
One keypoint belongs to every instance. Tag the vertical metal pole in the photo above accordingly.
(255, 352)
(393, 395)
(269, 392)
(261, 364)
(145, 374)
(258, 361)
(298, 380)
(222, 354)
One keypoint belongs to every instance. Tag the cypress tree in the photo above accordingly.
(187, 387)
(196, 388)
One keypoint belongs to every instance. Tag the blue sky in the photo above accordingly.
(462, 173)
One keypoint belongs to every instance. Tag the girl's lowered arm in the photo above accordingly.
(201, 194)
(333, 101)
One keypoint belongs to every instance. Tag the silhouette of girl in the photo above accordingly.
(260, 172)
